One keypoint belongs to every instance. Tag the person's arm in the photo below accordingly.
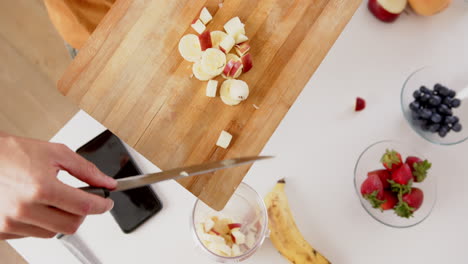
(33, 201)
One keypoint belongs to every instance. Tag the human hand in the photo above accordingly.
(33, 201)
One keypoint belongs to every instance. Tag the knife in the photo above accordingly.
(178, 173)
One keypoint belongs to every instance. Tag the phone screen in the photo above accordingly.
(131, 207)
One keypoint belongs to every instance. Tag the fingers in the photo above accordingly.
(81, 168)
(4, 236)
(12, 227)
(75, 201)
(50, 218)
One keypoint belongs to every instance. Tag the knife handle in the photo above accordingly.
(103, 192)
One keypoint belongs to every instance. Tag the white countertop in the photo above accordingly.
(317, 145)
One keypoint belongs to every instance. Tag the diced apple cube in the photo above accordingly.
(208, 225)
(234, 27)
(250, 239)
(211, 89)
(240, 38)
(224, 139)
(247, 62)
(205, 40)
(228, 68)
(239, 236)
(205, 16)
(236, 70)
(242, 49)
(199, 26)
(235, 251)
(227, 43)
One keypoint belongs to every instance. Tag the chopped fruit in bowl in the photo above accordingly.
(235, 233)
(434, 102)
(395, 193)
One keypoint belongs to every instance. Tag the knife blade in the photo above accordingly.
(178, 173)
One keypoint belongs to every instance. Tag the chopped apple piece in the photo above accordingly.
(224, 139)
(247, 62)
(211, 89)
(234, 27)
(236, 70)
(235, 251)
(205, 40)
(239, 237)
(239, 90)
(208, 225)
(205, 16)
(216, 38)
(242, 49)
(226, 44)
(233, 57)
(199, 26)
(250, 239)
(241, 38)
(234, 225)
(228, 68)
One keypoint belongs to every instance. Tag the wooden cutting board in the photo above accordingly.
(131, 78)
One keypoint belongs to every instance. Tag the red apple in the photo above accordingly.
(234, 225)
(233, 239)
(228, 67)
(205, 40)
(214, 232)
(236, 67)
(247, 62)
(242, 48)
(387, 10)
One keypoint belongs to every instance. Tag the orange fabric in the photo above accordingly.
(75, 20)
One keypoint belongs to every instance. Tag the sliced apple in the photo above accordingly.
(236, 70)
(216, 38)
(234, 27)
(199, 26)
(231, 56)
(234, 225)
(211, 88)
(242, 48)
(189, 48)
(250, 239)
(228, 68)
(213, 61)
(224, 139)
(205, 40)
(241, 38)
(387, 10)
(199, 73)
(236, 251)
(214, 232)
(208, 225)
(247, 62)
(226, 44)
(205, 16)
(238, 237)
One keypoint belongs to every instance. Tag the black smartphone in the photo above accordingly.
(132, 207)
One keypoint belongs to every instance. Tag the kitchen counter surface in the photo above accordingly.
(317, 145)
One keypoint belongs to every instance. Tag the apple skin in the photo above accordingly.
(380, 13)
(232, 73)
(247, 62)
(234, 225)
(228, 67)
(205, 40)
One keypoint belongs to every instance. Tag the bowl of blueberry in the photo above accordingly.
(434, 102)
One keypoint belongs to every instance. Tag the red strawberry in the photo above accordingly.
(372, 190)
(402, 175)
(360, 104)
(418, 167)
(390, 199)
(384, 176)
(409, 203)
(391, 160)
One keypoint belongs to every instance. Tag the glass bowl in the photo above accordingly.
(246, 207)
(453, 78)
(369, 160)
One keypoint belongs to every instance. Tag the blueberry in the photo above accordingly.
(424, 89)
(425, 97)
(434, 128)
(450, 120)
(425, 113)
(444, 91)
(455, 102)
(435, 93)
(425, 127)
(415, 115)
(417, 94)
(452, 93)
(447, 101)
(435, 100)
(438, 87)
(414, 106)
(443, 132)
(457, 127)
(444, 110)
(436, 118)
(456, 119)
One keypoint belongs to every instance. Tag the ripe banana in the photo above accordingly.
(285, 235)
(189, 48)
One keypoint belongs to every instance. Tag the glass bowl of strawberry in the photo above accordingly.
(235, 233)
(434, 101)
(394, 184)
